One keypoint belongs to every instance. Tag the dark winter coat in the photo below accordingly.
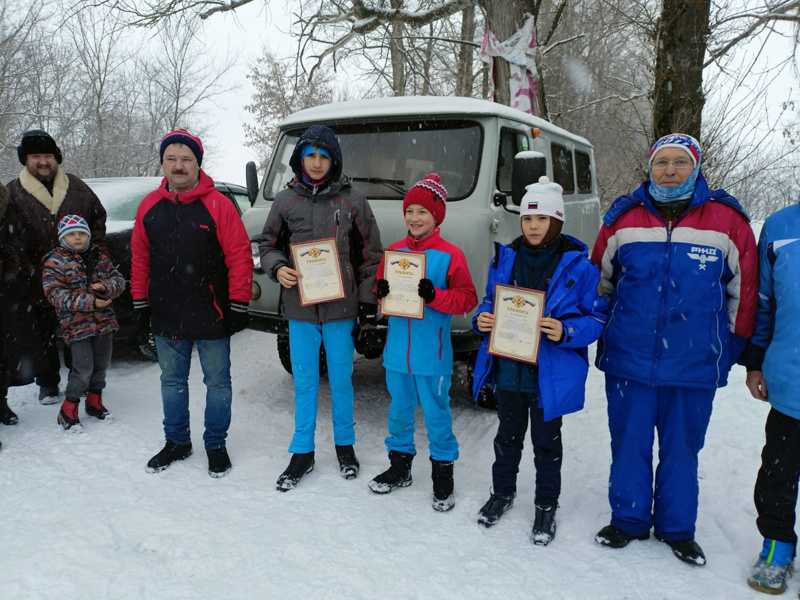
(300, 214)
(190, 257)
(574, 298)
(41, 211)
(67, 281)
(20, 337)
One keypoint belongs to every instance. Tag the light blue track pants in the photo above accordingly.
(304, 343)
(433, 393)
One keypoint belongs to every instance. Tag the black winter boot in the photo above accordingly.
(442, 475)
(688, 551)
(397, 475)
(495, 507)
(299, 465)
(170, 453)
(614, 537)
(7, 416)
(544, 525)
(219, 463)
(348, 463)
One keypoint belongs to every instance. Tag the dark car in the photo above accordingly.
(121, 197)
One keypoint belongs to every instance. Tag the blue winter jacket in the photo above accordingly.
(573, 298)
(681, 294)
(778, 307)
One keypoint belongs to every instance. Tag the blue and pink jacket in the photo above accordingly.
(423, 347)
(682, 294)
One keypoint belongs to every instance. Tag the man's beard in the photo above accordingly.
(44, 178)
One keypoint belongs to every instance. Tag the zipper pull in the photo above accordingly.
(336, 227)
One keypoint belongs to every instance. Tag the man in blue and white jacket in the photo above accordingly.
(773, 368)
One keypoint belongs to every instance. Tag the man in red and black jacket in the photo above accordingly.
(191, 280)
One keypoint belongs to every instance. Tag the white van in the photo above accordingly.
(485, 154)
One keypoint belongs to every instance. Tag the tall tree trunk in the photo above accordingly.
(681, 37)
(465, 53)
(426, 67)
(504, 17)
(397, 53)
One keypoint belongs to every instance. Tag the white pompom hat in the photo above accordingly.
(543, 198)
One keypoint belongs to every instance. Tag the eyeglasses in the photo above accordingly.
(680, 164)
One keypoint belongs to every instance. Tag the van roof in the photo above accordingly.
(374, 108)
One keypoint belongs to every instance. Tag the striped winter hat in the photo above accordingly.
(429, 193)
(182, 136)
(678, 140)
(70, 223)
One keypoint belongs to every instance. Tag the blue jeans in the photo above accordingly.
(681, 416)
(304, 341)
(433, 393)
(175, 358)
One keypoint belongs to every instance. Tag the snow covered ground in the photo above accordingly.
(80, 518)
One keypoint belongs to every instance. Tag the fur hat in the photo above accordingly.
(37, 141)
(429, 193)
(543, 198)
(678, 140)
(70, 223)
(182, 136)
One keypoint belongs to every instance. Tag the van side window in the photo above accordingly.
(563, 171)
(583, 172)
(511, 142)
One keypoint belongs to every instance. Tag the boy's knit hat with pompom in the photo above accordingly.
(429, 193)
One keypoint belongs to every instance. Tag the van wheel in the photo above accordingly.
(486, 398)
(286, 360)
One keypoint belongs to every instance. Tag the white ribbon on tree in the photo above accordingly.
(520, 51)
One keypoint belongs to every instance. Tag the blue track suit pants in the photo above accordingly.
(304, 343)
(681, 416)
(433, 393)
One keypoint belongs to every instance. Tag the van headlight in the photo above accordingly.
(255, 254)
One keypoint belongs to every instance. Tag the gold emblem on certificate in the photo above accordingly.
(318, 263)
(403, 270)
(515, 333)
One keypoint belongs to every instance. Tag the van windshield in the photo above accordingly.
(385, 159)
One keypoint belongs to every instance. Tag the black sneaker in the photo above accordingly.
(688, 551)
(397, 475)
(299, 465)
(348, 463)
(219, 463)
(168, 455)
(614, 537)
(544, 525)
(490, 513)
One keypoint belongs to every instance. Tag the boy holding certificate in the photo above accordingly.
(543, 259)
(320, 205)
(418, 356)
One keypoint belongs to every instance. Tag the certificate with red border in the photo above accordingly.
(516, 333)
(321, 274)
(403, 270)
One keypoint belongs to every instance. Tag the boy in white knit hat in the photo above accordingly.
(543, 259)
(80, 281)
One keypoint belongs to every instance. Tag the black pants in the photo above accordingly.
(49, 364)
(776, 487)
(512, 411)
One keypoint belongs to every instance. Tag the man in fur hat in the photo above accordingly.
(42, 195)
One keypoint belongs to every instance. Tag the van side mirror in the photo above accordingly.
(528, 167)
(251, 177)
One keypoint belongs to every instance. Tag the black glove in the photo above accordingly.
(238, 319)
(426, 290)
(383, 288)
(145, 339)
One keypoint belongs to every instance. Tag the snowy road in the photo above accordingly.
(80, 518)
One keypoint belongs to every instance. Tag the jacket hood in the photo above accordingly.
(322, 137)
(205, 185)
(700, 196)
